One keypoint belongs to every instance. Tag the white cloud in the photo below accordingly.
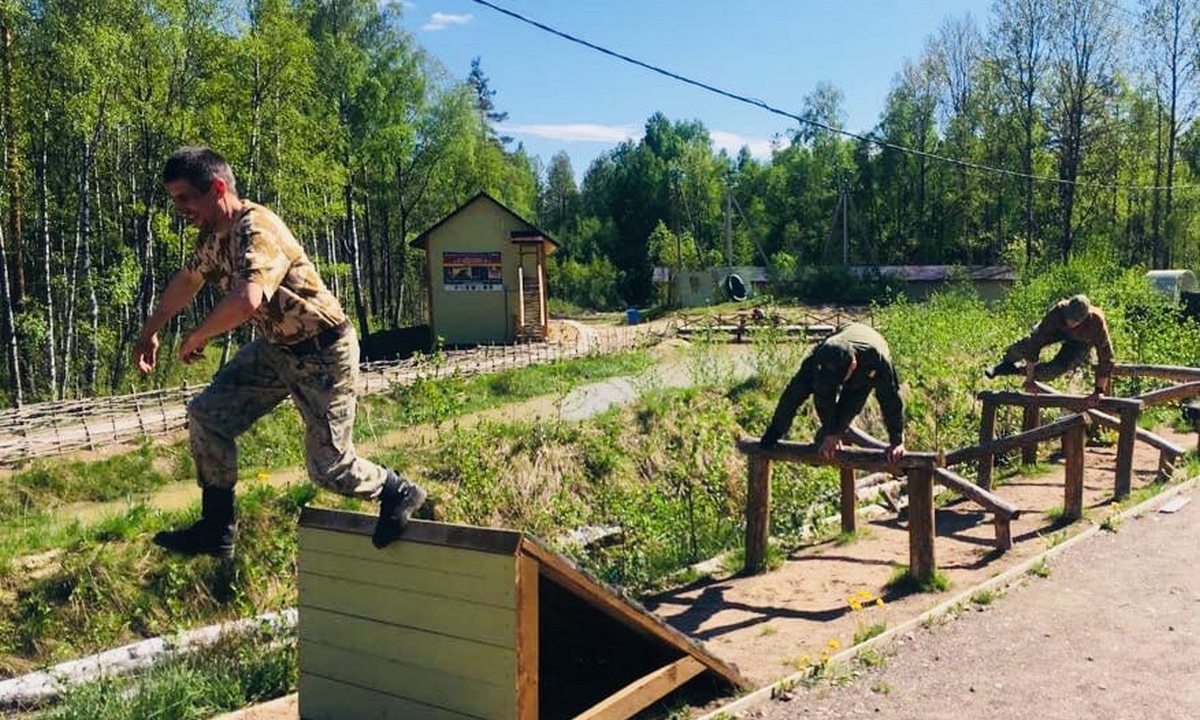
(575, 132)
(732, 143)
(445, 21)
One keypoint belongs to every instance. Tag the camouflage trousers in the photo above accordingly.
(1070, 355)
(322, 386)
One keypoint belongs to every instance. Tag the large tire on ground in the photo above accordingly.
(735, 287)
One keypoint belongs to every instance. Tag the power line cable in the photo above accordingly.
(967, 164)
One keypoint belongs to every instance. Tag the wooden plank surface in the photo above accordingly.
(528, 638)
(324, 699)
(449, 655)
(442, 583)
(473, 697)
(487, 567)
(758, 514)
(644, 691)
(453, 618)
(467, 537)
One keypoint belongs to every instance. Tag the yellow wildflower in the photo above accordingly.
(262, 476)
(855, 604)
(879, 602)
(834, 644)
(865, 595)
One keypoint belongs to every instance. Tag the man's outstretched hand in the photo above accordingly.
(145, 352)
(192, 348)
(895, 452)
(829, 446)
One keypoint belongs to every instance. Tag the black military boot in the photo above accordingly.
(1004, 367)
(398, 500)
(212, 534)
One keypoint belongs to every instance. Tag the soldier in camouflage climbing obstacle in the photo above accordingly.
(839, 374)
(306, 348)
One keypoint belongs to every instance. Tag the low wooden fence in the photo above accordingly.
(57, 428)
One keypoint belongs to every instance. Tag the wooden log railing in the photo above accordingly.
(1127, 409)
(1171, 394)
(1168, 451)
(918, 466)
(1162, 372)
(1003, 511)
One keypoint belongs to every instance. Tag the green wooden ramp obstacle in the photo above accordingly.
(454, 622)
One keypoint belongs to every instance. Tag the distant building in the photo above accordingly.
(1174, 284)
(991, 282)
(485, 268)
(696, 288)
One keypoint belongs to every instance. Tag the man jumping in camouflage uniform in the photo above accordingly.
(839, 374)
(306, 349)
(1079, 326)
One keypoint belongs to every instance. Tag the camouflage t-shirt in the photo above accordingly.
(260, 249)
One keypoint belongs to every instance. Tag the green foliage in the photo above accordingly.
(238, 670)
(591, 285)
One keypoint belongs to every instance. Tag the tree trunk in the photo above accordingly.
(360, 308)
(10, 336)
(85, 234)
(369, 251)
(47, 269)
(12, 169)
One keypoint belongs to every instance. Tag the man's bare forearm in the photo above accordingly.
(234, 309)
(179, 292)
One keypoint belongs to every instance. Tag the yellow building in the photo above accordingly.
(485, 267)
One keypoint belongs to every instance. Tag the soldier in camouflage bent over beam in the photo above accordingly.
(306, 349)
(840, 374)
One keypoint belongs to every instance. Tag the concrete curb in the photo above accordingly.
(765, 693)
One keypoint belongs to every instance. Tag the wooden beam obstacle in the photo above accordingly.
(1168, 452)
(1128, 411)
(1003, 511)
(1174, 373)
(454, 622)
(918, 466)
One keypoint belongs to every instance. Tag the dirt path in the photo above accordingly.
(1114, 632)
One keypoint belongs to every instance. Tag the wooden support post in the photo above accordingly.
(528, 639)
(758, 514)
(987, 432)
(1128, 434)
(1073, 447)
(1030, 419)
(849, 500)
(1003, 532)
(921, 565)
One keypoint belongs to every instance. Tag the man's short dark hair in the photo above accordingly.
(198, 165)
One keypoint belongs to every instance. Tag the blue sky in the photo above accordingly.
(561, 96)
